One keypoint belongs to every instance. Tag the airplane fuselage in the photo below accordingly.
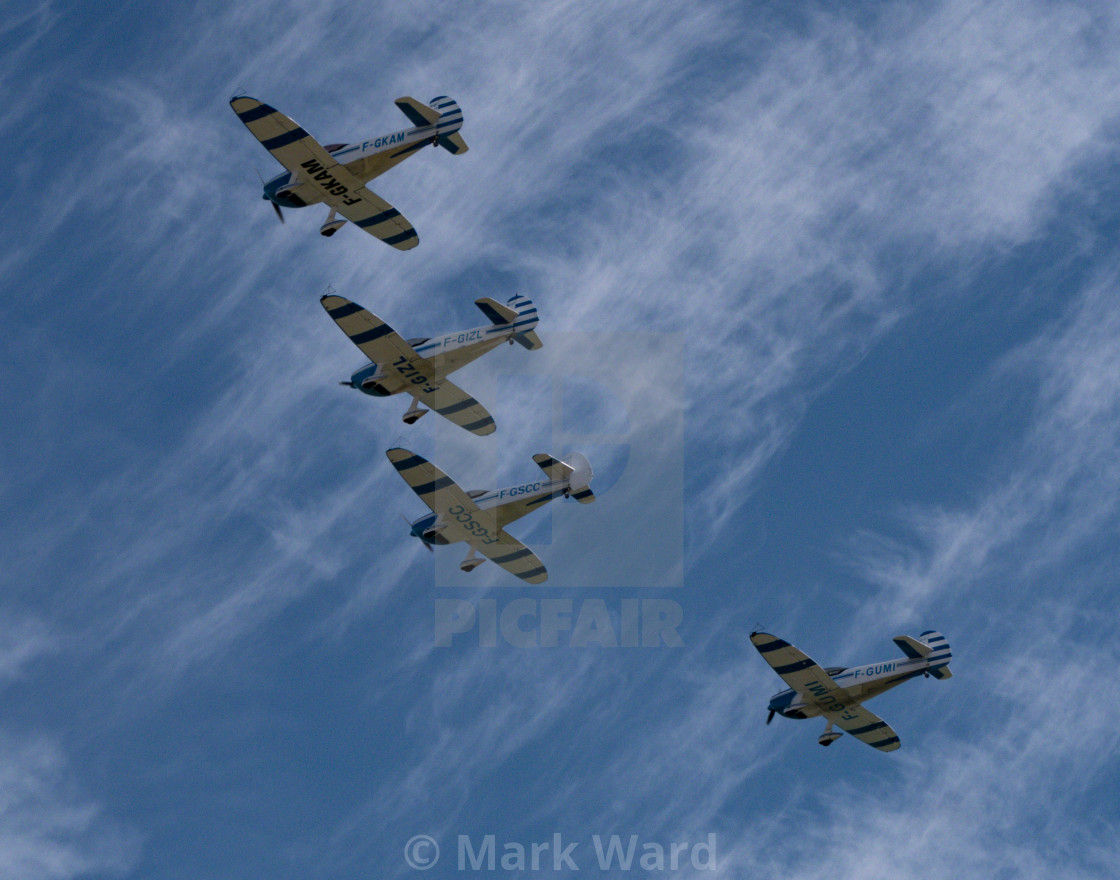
(428, 528)
(454, 350)
(859, 683)
(375, 156)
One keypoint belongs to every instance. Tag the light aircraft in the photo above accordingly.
(420, 366)
(337, 173)
(480, 517)
(837, 692)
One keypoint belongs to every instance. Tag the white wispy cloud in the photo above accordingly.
(1056, 492)
(48, 827)
(22, 639)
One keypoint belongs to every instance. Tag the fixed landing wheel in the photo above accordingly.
(332, 225)
(414, 413)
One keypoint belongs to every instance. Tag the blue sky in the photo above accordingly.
(829, 297)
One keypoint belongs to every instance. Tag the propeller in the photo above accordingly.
(275, 207)
(427, 546)
(770, 717)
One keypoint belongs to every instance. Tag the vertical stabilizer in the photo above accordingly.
(448, 124)
(939, 655)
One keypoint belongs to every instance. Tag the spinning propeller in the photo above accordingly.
(770, 717)
(275, 207)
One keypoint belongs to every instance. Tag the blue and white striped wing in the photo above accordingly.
(865, 726)
(514, 557)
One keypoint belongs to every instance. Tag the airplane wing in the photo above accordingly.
(380, 219)
(442, 494)
(385, 347)
(378, 341)
(865, 726)
(795, 667)
(455, 405)
(310, 163)
(514, 557)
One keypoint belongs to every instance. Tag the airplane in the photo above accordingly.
(337, 173)
(837, 692)
(479, 517)
(420, 366)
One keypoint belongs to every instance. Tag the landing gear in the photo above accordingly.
(331, 226)
(471, 562)
(414, 413)
(829, 736)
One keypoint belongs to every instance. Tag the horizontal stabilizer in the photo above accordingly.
(553, 468)
(529, 339)
(453, 143)
(418, 114)
(912, 648)
(495, 312)
(584, 495)
(941, 672)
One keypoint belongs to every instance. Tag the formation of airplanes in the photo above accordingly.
(336, 175)
(838, 693)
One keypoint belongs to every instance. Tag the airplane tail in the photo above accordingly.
(519, 312)
(939, 654)
(577, 471)
(580, 479)
(448, 125)
(526, 321)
